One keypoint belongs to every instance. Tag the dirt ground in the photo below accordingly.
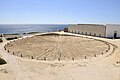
(5, 73)
(101, 67)
(54, 47)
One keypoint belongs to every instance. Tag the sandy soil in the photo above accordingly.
(101, 67)
(5, 71)
(54, 47)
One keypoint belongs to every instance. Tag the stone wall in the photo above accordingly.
(88, 29)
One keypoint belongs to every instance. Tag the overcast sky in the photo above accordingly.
(59, 11)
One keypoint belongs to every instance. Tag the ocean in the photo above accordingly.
(26, 28)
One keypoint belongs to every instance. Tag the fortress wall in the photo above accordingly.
(88, 29)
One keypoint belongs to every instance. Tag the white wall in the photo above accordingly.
(111, 28)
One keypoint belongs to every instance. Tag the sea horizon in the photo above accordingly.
(26, 28)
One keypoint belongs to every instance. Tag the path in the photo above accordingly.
(12, 63)
(99, 68)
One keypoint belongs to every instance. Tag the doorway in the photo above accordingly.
(115, 34)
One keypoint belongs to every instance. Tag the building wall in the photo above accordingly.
(88, 29)
(111, 28)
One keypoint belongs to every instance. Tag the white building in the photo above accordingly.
(108, 30)
(112, 30)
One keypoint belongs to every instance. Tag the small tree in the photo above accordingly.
(1, 40)
(2, 61)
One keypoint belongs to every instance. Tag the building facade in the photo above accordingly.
(112, 30)
(109, 30)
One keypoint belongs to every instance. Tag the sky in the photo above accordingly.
(59, 11)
